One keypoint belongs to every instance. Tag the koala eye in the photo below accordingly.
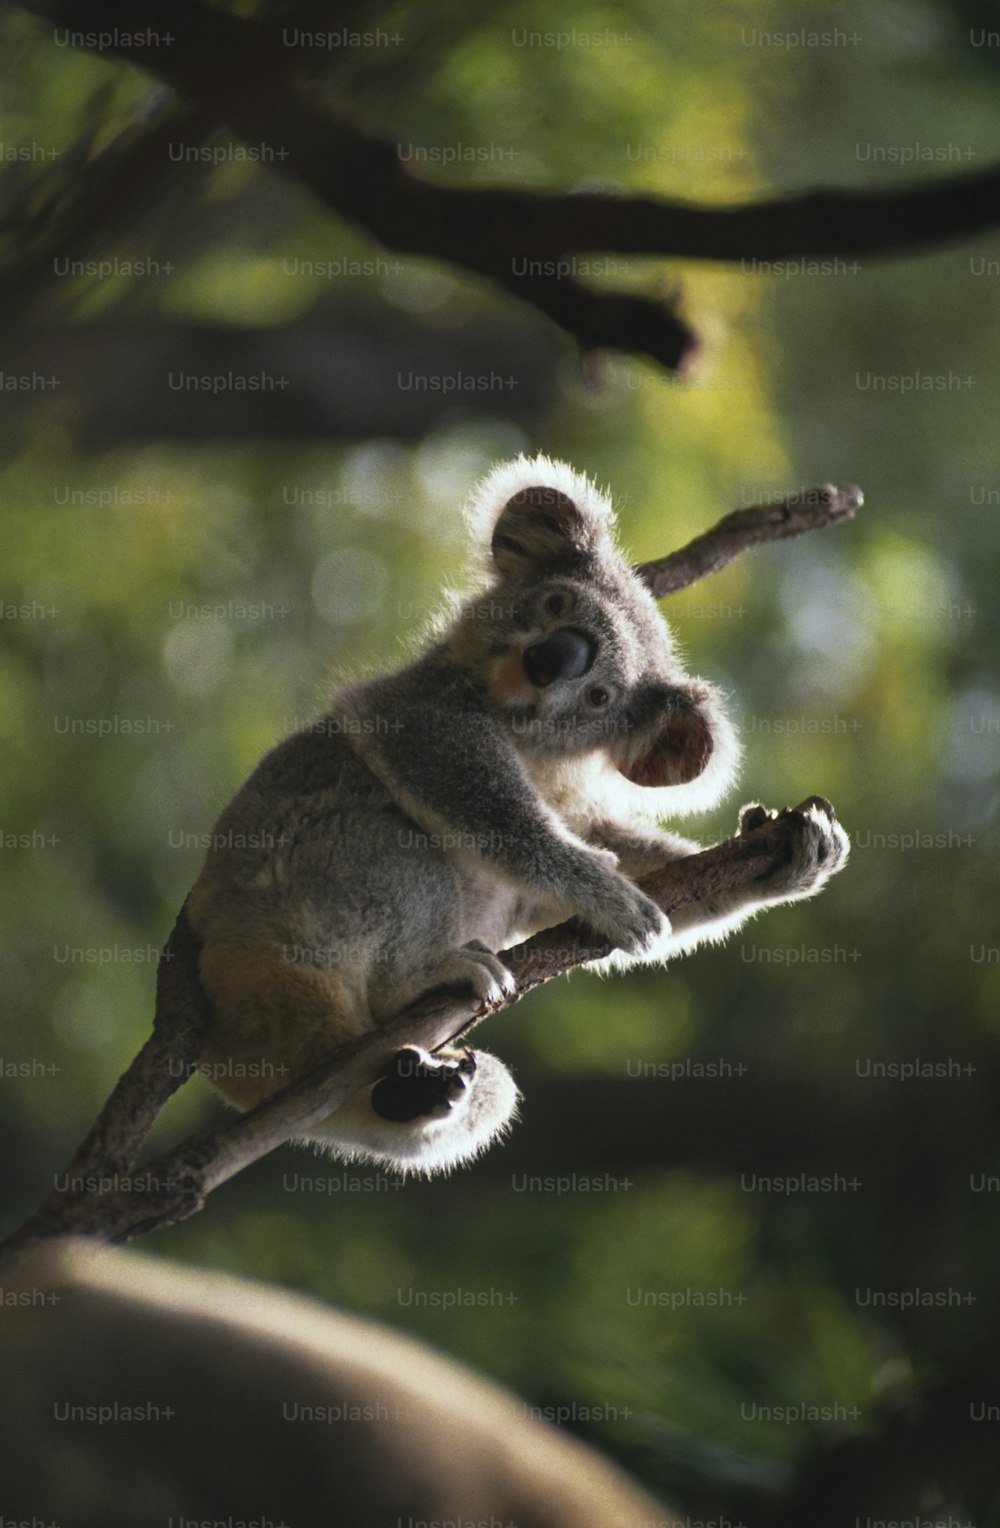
(556, 604)
(599, 696)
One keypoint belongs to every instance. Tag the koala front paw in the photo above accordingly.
(626, 916)
(473, 965)
(817, 848)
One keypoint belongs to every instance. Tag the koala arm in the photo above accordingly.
(819, 848)
(639, 853)
(428, 735)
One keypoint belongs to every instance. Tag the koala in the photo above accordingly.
(511, 776)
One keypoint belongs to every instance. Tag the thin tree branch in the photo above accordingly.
(111, 1148)
(744, 528)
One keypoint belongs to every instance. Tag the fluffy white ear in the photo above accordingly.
(430, 1114)
(689, 759)
(535, 510)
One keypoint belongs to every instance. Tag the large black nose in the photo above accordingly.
(564, 654)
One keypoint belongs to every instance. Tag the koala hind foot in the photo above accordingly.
(429, 1113)
(423, 1085)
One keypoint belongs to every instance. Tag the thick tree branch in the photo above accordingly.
(239, 71)
(97, 1202)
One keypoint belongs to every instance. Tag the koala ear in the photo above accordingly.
(537, 513)
(539, 526)
(679, 745)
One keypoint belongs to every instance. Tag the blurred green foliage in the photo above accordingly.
(207, 607)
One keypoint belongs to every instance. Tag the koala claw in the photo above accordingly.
(477, 967)
(754, 816)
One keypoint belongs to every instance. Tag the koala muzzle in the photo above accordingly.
(564, 654)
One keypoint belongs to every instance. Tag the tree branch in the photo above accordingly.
(744, 528)
(239, 70)
(99, 1198)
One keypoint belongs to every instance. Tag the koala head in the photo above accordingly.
(569, 646)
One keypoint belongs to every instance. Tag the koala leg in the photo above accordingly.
(431, 1111)
(637, 853)
(819, 849)
(273, 1020)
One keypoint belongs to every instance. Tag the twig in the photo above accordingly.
(744, 528)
